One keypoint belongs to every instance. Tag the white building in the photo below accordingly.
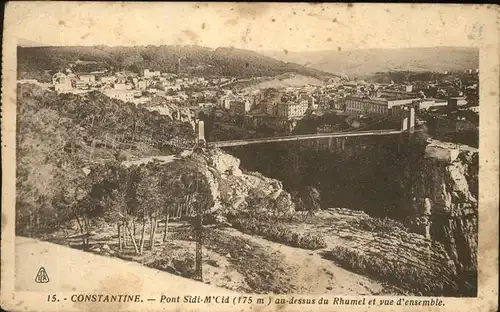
(460, 100)
(151, 74)
(123, 95)
(292, 109)
(61, 82)
(426, 104)
(225, 101)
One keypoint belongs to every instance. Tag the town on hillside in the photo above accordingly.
(449, 97)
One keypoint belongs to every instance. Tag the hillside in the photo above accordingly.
(59, 137)
(33, 61)
(359, 63)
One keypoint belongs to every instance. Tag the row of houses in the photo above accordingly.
(67, 82)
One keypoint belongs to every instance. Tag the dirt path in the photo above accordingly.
(245, 263)
(310, 273)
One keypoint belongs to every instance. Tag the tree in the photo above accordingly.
(311, 199)
(74, 202)
(198, 195)
(57, 140)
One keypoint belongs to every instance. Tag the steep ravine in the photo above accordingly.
(430, 186)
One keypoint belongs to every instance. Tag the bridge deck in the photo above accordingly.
(303, 137)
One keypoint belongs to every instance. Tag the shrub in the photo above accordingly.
(419, 281)
(275, 231)
(385, 225)
(312, 241)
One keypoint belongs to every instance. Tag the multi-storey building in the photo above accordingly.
(225, 101)
(123, 95)
(365, 105)
(291, 109)
(375, 105)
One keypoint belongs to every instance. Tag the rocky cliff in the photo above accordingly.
(233, 189)
(445, 200)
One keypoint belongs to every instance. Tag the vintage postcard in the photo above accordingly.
(249, 157)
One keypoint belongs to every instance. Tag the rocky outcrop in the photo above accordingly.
(445, 200)
(234, 190)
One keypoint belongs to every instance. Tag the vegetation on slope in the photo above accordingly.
(33, 62)
(61, 138)
(275, 231)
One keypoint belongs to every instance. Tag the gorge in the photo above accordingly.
(429, 186)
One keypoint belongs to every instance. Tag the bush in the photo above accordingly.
(415, 280)
(275, 231)
(385, 225)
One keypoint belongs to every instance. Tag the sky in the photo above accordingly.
(255, 26)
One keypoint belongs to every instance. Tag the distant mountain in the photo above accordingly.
(360, 63)
(192, 59)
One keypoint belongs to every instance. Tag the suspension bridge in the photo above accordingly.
(407, 126)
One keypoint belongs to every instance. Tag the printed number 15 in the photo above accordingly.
(51, 298)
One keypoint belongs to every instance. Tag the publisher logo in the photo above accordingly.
(41, 276)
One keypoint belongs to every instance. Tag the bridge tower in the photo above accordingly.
(201, 133)
(408, 121)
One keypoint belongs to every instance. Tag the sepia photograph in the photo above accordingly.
(160, 158)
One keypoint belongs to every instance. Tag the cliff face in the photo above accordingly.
(445, 200)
